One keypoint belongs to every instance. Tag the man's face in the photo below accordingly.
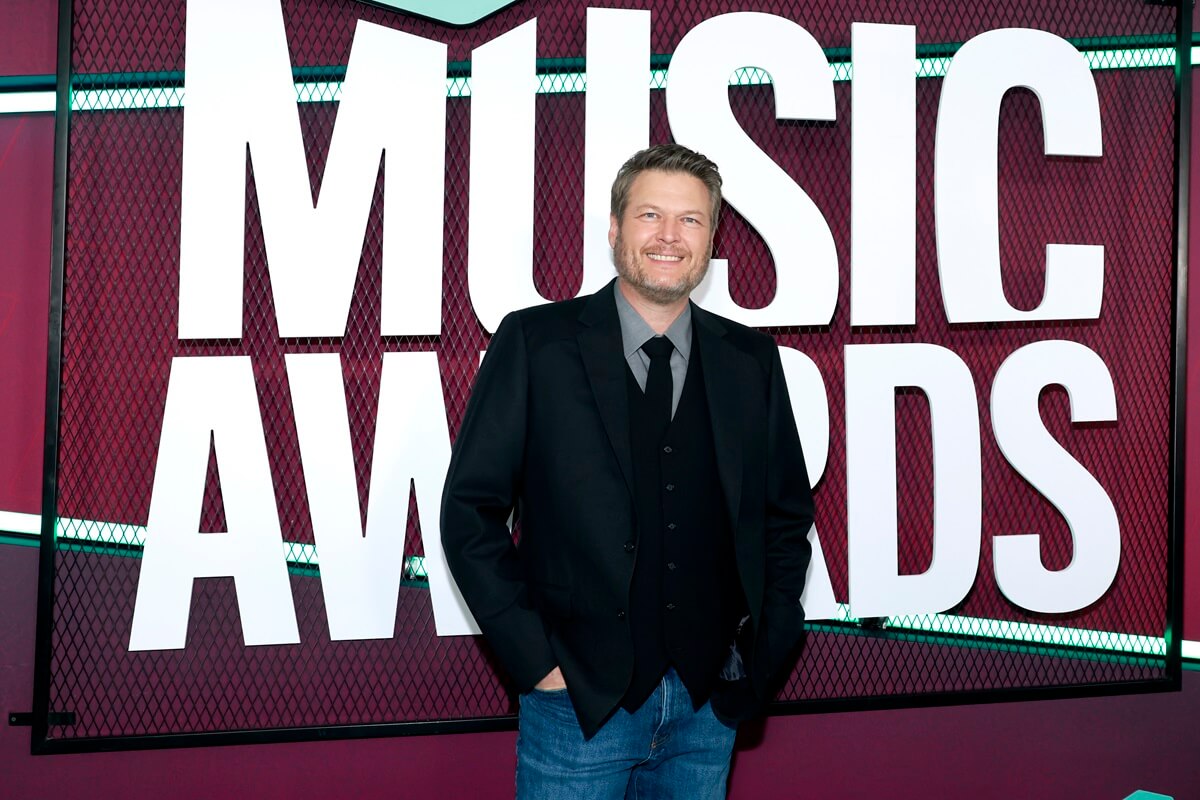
(662, 243)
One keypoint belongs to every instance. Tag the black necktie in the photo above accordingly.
(658, 381)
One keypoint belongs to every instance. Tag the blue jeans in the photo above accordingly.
(665, 749)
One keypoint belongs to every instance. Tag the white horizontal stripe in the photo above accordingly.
(16, 522)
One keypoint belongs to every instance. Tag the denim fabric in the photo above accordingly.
(664, 750)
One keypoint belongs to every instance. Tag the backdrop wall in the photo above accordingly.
(1104, 747)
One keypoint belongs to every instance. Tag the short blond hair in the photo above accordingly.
(667, 158)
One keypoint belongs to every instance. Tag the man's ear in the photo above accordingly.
(612, 230)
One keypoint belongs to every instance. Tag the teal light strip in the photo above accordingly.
(460, 12)
(130, 99)
(1140, 58)
(171, 96)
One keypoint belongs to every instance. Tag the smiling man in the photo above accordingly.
(647, 450)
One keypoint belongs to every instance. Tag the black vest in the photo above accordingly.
(685, 599)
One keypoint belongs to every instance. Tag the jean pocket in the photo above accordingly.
(549, 705)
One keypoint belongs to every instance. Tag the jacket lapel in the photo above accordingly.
(724, 367)
(602, 351)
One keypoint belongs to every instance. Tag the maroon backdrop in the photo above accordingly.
(25, 201)
(119, 334)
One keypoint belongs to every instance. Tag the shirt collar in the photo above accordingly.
(635, 330)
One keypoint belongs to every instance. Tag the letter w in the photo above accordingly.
(360, 574)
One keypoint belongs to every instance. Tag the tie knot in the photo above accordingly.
(658, 347)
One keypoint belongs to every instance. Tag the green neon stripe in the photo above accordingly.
(27, 83)
(127, 99)
(19, 539)
(1141, 58)
(132, 97)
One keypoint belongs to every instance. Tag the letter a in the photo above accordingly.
(212, 397)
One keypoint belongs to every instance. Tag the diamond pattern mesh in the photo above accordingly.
(119, 335)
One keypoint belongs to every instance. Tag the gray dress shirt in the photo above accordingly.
(635, 331)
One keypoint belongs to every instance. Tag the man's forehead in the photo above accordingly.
(657, 187)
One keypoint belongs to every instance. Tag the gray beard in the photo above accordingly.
(624, 261)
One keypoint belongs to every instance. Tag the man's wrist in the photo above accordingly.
(553, 680)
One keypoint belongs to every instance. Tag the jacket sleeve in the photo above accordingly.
(483, 485)
(789, 516)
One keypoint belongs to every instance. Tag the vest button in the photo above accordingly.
(670, 606)
(670, 487)
(629, 547)
(667, 449)
(671, 565)
(670, 526)
(621, 615)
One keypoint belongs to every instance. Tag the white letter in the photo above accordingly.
(873, 372)
(240, 91)
(965, 157)
(806, 268)
(883, 175)
(212, 396)
(500, 213)
(1042, 461)
(360, 575)
(810, 407)
(503, 87)
(617, 123)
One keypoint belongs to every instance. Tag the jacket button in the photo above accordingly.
(670, 526)
(670, 487)
(629, 547)
(671, 565)
(621, 614)
(667, 449)
(670, 606)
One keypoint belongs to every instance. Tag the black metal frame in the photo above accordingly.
(1178, 422)
(42, 714)
(45, 601)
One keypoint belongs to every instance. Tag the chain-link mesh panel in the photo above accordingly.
(120, 334)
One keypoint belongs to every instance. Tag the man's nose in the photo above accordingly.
(668, 231)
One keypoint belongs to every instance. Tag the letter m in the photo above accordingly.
(241, 102)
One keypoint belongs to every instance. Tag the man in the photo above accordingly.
(647, 451)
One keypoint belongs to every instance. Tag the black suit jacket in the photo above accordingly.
(546, 433)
